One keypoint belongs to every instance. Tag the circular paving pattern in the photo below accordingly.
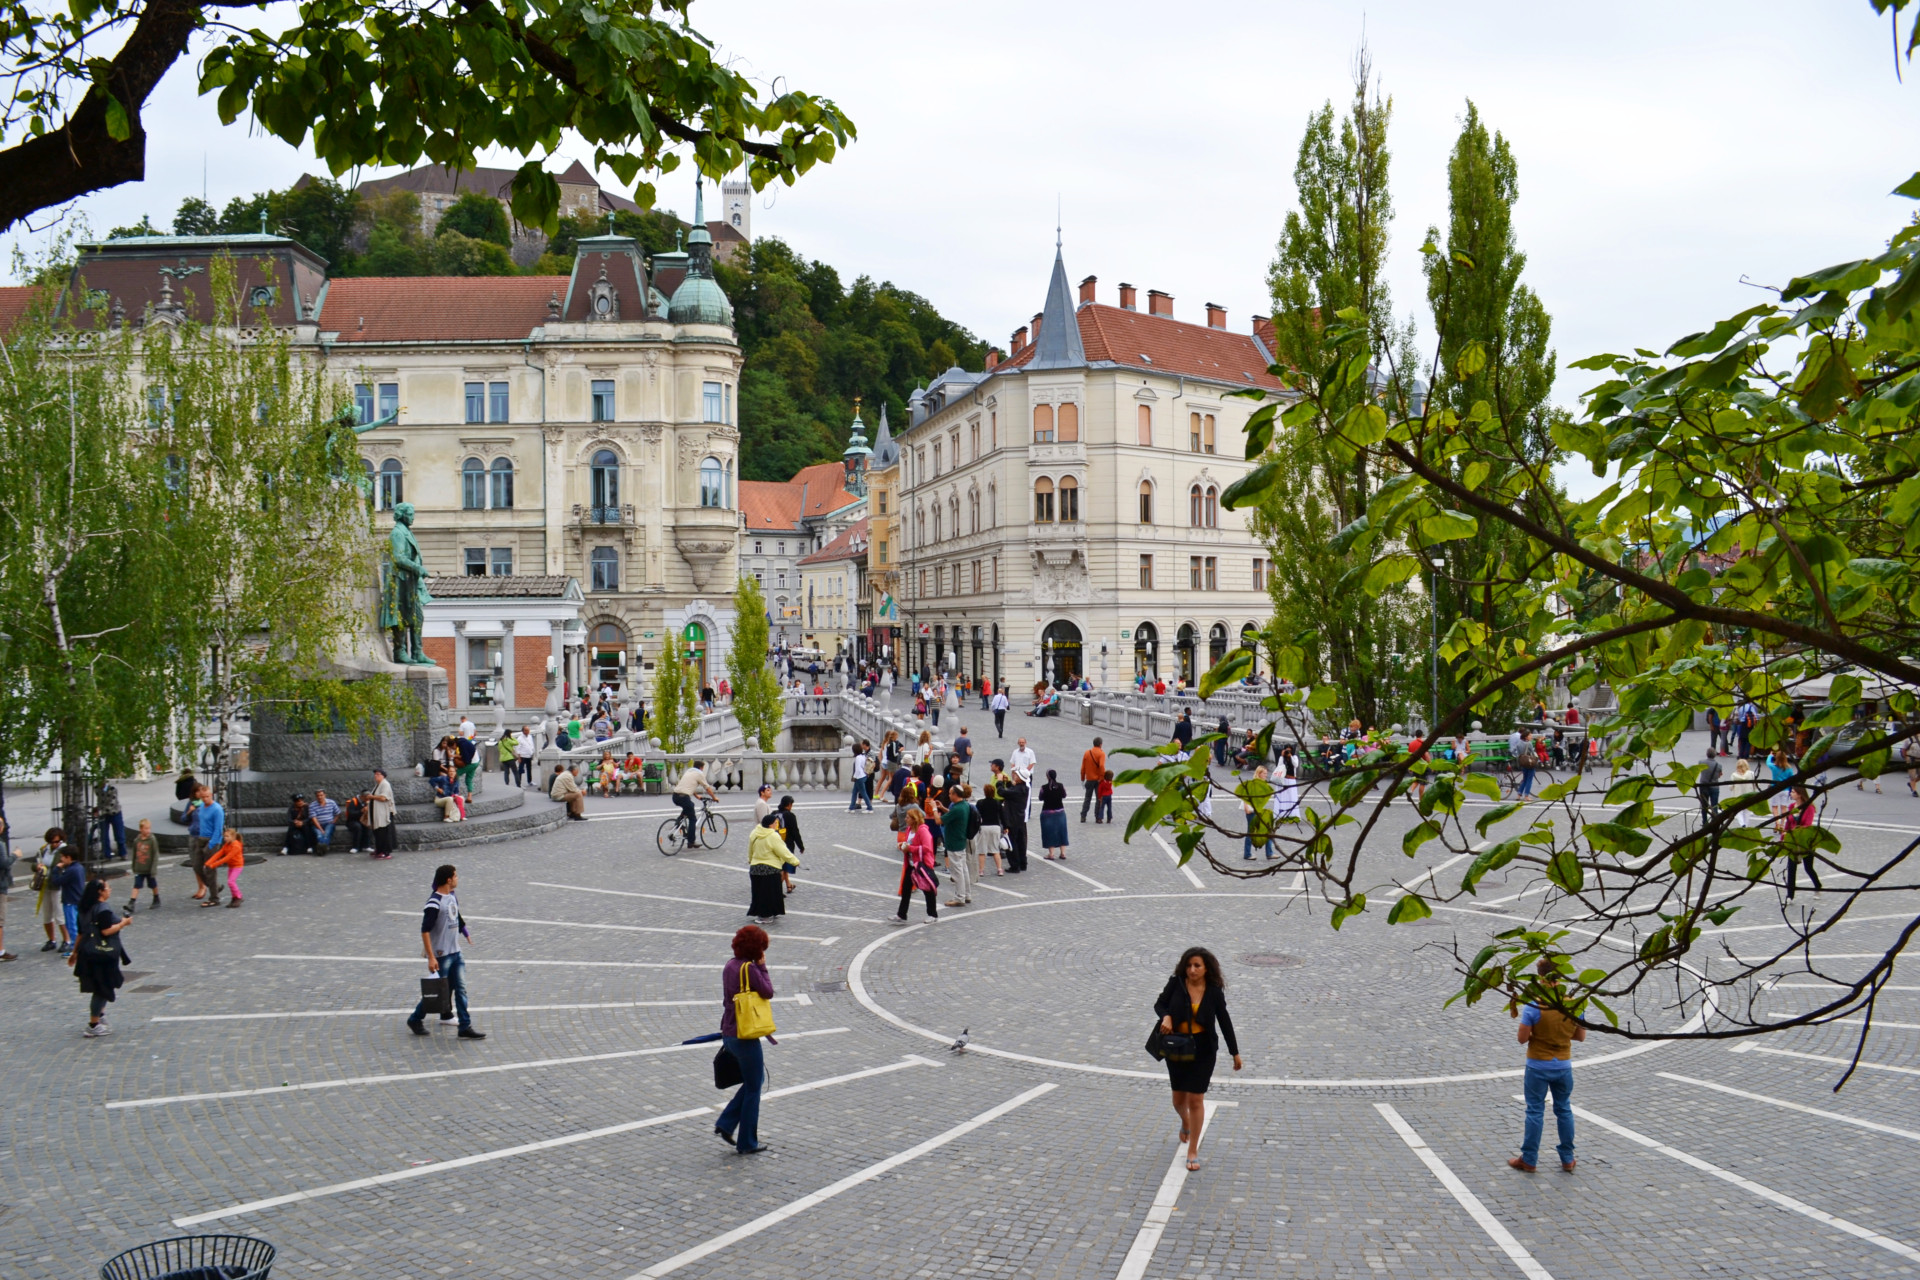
(1360, 1007)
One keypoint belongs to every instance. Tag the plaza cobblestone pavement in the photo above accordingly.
(585, 1004)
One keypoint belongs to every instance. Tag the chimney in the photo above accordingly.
(1216, 316)
(993, 358)
(1036, 325)
(1086, 289)
(1019, 340)
(1159, 304)
(1126, 297)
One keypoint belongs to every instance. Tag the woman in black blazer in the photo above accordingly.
(1194, 1000)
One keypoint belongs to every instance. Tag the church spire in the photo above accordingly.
(1058, 345)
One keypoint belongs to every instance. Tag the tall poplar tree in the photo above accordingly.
(1493, 349)
(757, 703)
(1329, 277)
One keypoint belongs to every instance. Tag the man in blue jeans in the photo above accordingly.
(1549, 1036)
(441, 930)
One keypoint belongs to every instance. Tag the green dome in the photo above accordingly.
(699, 300)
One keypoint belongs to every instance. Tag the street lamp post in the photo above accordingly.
(1433, 670)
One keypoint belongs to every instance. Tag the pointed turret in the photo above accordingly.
(885, 452)
(1058, 345)
(856, 454)
(699, 299)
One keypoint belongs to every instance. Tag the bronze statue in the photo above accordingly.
(403, 595)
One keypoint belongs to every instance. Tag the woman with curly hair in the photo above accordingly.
(1195, 999)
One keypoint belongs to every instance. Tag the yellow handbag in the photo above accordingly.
(752, 1012)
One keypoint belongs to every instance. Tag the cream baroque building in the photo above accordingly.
(1059, 513)
(581, 426)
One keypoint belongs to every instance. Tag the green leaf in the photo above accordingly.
(1448, 526)
(1465, 259)
(1499, 813)
(1389, 571)
(119, 128)
(1354, 530)
(1351, 907)
(1410, 843)
(1410, 907)
(1481, 784)
(1489, 860)
(1224, 672)
(1251, 487)
(1471, 360)
(1486, 954)
(1720, 915)
(1612, 837)
(1260, 430)
(1910, 188)
(1365, 424)
(1322, 698)
(1564, 870)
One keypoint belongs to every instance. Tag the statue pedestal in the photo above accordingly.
(285, 761)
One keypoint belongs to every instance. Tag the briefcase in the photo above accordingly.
(437, 994)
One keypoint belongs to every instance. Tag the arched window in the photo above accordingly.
(1184, 645)
(607, 654)
(993, 505)
(1213, 507)
(936, 520)
(919, 526)
(606, 569)
(1069, 421)
(392, 484)
(1043, 501)
(473, 485)
(1216, 644)
(1069, 498)
(606, 487)
(1146, 646)
(1195, 507)
(973, 518)
(1145, 414)
(713, 484)
(500, 492)
(1146, 501)
(1043, 424)
(953, 511)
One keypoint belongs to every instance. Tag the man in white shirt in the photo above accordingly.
(1021, 764)
(466, 727)
(862, 784)
(692, 780)
(999, 706)
(524, 749)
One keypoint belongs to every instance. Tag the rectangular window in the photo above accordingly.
(976, 440)
(882, 495)
(727, 391)
(1193, 572)
(1069, 500)
(476, 562)
(759, 548)
(1146, 426)
(1259, 574)
(712, 404)
(476, 402)
(483, 677)
(363, 402)
(389, 399)
(500, 484)
(953, 447)
(1069, 422)
(996, 573)
(1146, 573)
(603, 400)
(993, 431)
(606, 569)
(1043, 424)
(1193, 432)
(502, 562)
(883, 551)
(1213, 575)
(976, 577)
(923, 583)
(782, 579)
(496, 402)
(1206, 434)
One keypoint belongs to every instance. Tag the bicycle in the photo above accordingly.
(710, 830)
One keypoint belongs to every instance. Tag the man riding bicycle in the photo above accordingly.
(692, 780)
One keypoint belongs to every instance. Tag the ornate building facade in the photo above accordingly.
(1059, 513)
(580, 426)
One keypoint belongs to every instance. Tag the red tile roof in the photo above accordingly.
(825, 486)
(850, 545)
(438, 308)
(14, 302)
(776, 505)
(1165, 345)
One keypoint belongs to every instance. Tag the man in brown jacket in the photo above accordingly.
(1093, 767)
(1549, 1036)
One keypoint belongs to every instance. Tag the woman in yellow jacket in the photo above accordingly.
(766, 858)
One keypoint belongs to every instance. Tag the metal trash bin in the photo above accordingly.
(194, 1258)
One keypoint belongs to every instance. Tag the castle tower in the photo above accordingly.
(736, 206)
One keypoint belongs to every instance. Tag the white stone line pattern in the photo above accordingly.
(1062, 866)
(1790, 924)
(1429, 874)
(977, 880)
(1874, 1125)
(1821, 1057)
(1828, 986)
(1185, 870)
(802, 999)
(1160, 1213)
(560, 964)
(398, 1076)
(623, 928)
(856, 983)
(697, 902)
(792, 1209)
(1528, 1264)
(1746, 1184)
(811, 884)
(525, 1148)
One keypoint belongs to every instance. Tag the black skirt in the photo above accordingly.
(769, 897)
(1196, 1075)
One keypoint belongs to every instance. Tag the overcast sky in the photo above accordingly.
(1665, 150)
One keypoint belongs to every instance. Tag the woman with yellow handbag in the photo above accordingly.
(746, 1018)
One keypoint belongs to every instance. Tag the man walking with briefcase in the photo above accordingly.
(441, 930)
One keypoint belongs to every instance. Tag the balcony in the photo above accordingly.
(1057, 453)
(592, 517)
